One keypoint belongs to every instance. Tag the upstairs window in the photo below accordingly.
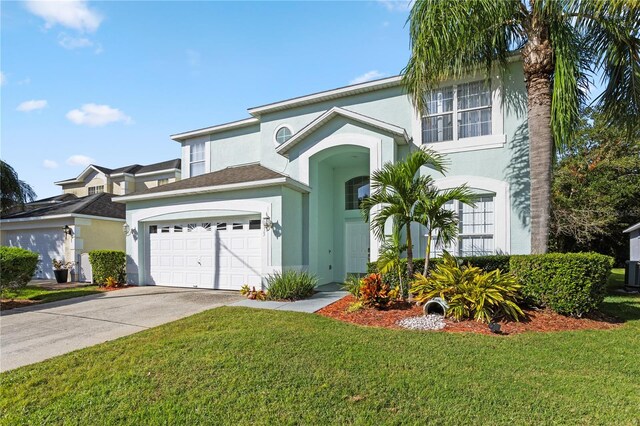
(355, 191)
(163, 181)
(196, 159)
(469, 104)
(96, 189)
(283, 134)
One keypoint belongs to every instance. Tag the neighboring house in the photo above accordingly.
(123, 180)
(634, 242)
(281, 189)
(65, 227)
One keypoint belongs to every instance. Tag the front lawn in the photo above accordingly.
(251, 366)
(42, 295)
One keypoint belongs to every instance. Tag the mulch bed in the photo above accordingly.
(6, 304)
(542, 320)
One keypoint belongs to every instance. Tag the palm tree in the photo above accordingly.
(441, 223)
(563, 43)
(13, 191)
(390, 257)
(396, 189)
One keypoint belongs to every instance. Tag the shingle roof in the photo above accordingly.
(93, 205)
(135, 168)
(230, 175)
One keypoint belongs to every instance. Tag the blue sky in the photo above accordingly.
(108, 82)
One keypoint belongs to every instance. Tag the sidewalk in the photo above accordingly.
(326, 295)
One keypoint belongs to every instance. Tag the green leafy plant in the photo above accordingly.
(108, 263)
(17, 267)
(245, 290)
(390, 257)
(355, 307)
(352, 285)
(111, 282)
(569, 283)
(470, 292)
(374, 292)
(290, 285)
(61, 264)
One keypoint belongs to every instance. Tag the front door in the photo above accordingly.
(357, 247)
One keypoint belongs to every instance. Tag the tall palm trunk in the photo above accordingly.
(427, 255)
(538, 67)
(409, 253)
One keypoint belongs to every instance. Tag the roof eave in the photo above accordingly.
(246, 122)
(286, 181)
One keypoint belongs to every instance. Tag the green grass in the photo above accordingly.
(616, 279)
(243, 366)
(43, 295)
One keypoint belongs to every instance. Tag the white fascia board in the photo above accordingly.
(157, 172)
(80, 177)
(327, 94)
(59, 216)
(121, 174)
(632, 228)
(286, 181)
(315, 124)
(181, 137)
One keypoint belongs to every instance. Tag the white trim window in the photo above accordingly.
(163, 181)
(476, 228)
(470, 103)
(282, 134)
(96, 189)
(197, 159)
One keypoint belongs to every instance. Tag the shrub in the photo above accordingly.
(470, 291)
(487, 263)
(374, 292)
(111, 282)
(290, 285)
(568, 283)
(17, 267)
(108, 263)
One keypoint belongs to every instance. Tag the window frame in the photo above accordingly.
(92, 190)
(456, 247)
(456, 111)
(275, 134)
(353, 181)
(203, 161)
(162, 181)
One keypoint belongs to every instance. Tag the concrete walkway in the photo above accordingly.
(39, 332)
(325, 296)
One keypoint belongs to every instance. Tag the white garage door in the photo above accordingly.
(47, 242)
(217, 254)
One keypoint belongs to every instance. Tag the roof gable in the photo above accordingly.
(399, 133)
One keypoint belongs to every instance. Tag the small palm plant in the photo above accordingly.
(441, 223)
(396, 188)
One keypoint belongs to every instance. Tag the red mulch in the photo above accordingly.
(6, 304)
(542, 320)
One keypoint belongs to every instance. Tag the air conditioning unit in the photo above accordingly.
(632, 275)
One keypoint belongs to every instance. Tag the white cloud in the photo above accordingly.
(69, 42)
(97, 115)
(3, 79)
(80, 160)
(367, 76)
(73, 14)
(397, 5)
(49, 164)
(28, 106)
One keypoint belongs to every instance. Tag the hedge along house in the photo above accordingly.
(281, 189)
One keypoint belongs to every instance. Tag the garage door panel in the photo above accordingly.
(205, 257)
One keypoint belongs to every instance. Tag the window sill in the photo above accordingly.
(469, 144)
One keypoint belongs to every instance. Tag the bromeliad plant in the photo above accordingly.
(470, 292)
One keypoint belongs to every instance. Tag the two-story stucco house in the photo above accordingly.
(281, 188)
(83, 218)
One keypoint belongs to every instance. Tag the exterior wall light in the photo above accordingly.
(126, 229)
(67, 230)
(267, 224)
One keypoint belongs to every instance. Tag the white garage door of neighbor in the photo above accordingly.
(47, 242)
(217, 254)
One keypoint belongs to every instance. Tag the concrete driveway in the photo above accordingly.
(36, 333)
